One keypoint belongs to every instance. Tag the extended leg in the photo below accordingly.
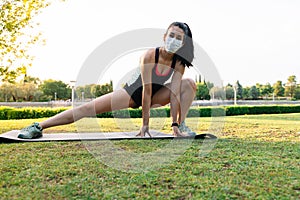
(112, 101)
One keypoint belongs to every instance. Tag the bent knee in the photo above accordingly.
(189, 83)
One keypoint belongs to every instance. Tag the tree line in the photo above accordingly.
(33, 89)
(279, 90)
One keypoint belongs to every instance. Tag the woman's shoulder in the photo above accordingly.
(149, 56)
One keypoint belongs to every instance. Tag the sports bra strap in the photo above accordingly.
(173, 62)
(157, 56)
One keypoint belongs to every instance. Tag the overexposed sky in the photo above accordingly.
(253, 41)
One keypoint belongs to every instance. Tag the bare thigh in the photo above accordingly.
(162, 96)
(116, 100)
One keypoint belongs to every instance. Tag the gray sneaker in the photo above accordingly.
(31, 132)
(185, 129)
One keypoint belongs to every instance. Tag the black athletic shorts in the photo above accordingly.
(137, 93)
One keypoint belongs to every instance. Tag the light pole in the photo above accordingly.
(55, 94)
(212, 92)
(72, 83)
(235, 92)
(82, 96)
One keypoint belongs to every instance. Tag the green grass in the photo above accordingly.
(255, 157)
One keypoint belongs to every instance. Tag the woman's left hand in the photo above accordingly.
(177, 132)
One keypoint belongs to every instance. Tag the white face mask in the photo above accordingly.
(172, 44)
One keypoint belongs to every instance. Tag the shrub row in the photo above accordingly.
(266, 109)
(28, 112)
(136, 113)
(208, 111)
(32, 112)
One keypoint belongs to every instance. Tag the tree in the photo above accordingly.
(239, 90)
(17, 34)
(29, 90)
(278, 89)
(202, 92)
(218, 93)
(259, 88)
(31, 79)
(198, 79)
(229, 92)
(99, 90)
(51, 87)
(290, 86)
(38, 96)
(86, 90)
(297, 93)
(253, 93)
(18, 92)
(209, 85)
(93, 90)
(266, 90)
(246, 93)
(6, 90)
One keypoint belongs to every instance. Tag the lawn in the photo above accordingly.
(255, 157)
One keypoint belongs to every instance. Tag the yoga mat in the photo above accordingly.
(12, 136)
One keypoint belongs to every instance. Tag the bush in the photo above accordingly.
(4, 112)
(266, 109)
(28, 112)
(135, 113)
(236, 110)
(34, 112)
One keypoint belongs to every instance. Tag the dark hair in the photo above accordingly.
(186, 53)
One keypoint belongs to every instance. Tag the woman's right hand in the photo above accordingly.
(144, 129)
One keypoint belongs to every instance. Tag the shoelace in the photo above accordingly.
(28, 127)
(31, 126)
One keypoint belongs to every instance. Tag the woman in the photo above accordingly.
(150, 89)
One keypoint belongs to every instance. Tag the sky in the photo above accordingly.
(253, 41)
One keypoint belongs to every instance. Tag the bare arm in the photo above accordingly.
(147, 91)
(146, 65)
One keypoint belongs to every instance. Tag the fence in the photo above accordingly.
(54, 104)
(243, 102)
